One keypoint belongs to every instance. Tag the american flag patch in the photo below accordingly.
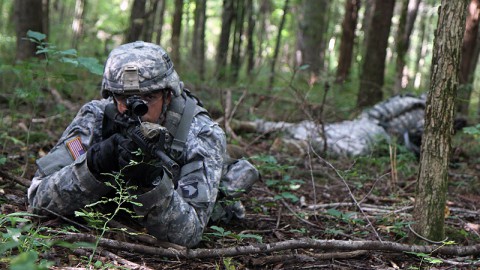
(75, 147)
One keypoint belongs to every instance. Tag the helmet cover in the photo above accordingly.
(139, 68)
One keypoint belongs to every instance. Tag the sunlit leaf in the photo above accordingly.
(36, 35)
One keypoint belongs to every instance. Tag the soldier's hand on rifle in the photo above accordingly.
(144, 174)
(110, 155)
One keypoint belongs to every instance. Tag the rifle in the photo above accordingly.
(152, 139)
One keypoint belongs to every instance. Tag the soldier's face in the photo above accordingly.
(154, 102)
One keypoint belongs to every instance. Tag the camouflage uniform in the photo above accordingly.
(400, 116)
(175, 213)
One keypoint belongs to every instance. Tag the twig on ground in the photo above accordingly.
(371, 189)
(232, 112)
(457, 263)
(66, 219)
(107, 255)
(279, 217)
(472, 213)
(123, 261)
(264, 248)
(19, 180)
(146, 238)
(310, 167)
(350, 193)
(58, 99)
(295, 258)
(424, 238)
(366, 207)
(295, 214)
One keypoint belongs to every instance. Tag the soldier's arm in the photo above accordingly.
(63, 182)
(180, 215)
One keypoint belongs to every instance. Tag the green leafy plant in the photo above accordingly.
(278, 177)
(223, 234)
(228, 264)
(474, 131)
(21, 242)
(100, 220)
(428, 258)
(349, 217)
(69, 56)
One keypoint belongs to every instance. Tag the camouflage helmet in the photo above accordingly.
(138, 68)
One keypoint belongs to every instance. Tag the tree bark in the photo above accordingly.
(28, 16)
(250, 52)
(420, 50)
(176, 32)
(349, 25)
(373, 67)
(264, 11)
(431, 189)
(277, 46)
(137, 21)
(468, 64)
(407, 20)
(159, 24)
(149, 20)
(236, 57)
(312, 28)
(77, 24)
(366, 22)
(198, 45)
(224, 40)
(46, 17)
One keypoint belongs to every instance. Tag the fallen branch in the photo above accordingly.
(19, 180)
(265, 248)
(109, 256)
(294, 258)
(58, 99)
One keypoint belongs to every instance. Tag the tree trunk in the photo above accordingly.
(366, 22)
(198, 46)
(312, 28)
(237, 39)
(187, 13)
(349, 25)
(277, 46)
(373, 67)
(149, 20)
(407, 20)
(77, 25)
(137, 20)
(46, 17)
(432, 182)
(467, 65)
(250, 43)
(400, 47)
(176, 32)
(159, 24)
(28, 16)
(224, 40)
(264, 11)
(420, 50)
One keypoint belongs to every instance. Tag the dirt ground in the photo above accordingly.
(318, 206)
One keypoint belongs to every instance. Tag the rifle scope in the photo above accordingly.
(137, 106)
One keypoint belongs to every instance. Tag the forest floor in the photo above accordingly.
(301, 201)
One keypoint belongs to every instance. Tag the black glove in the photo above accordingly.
(110, 155)
(144, 174)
